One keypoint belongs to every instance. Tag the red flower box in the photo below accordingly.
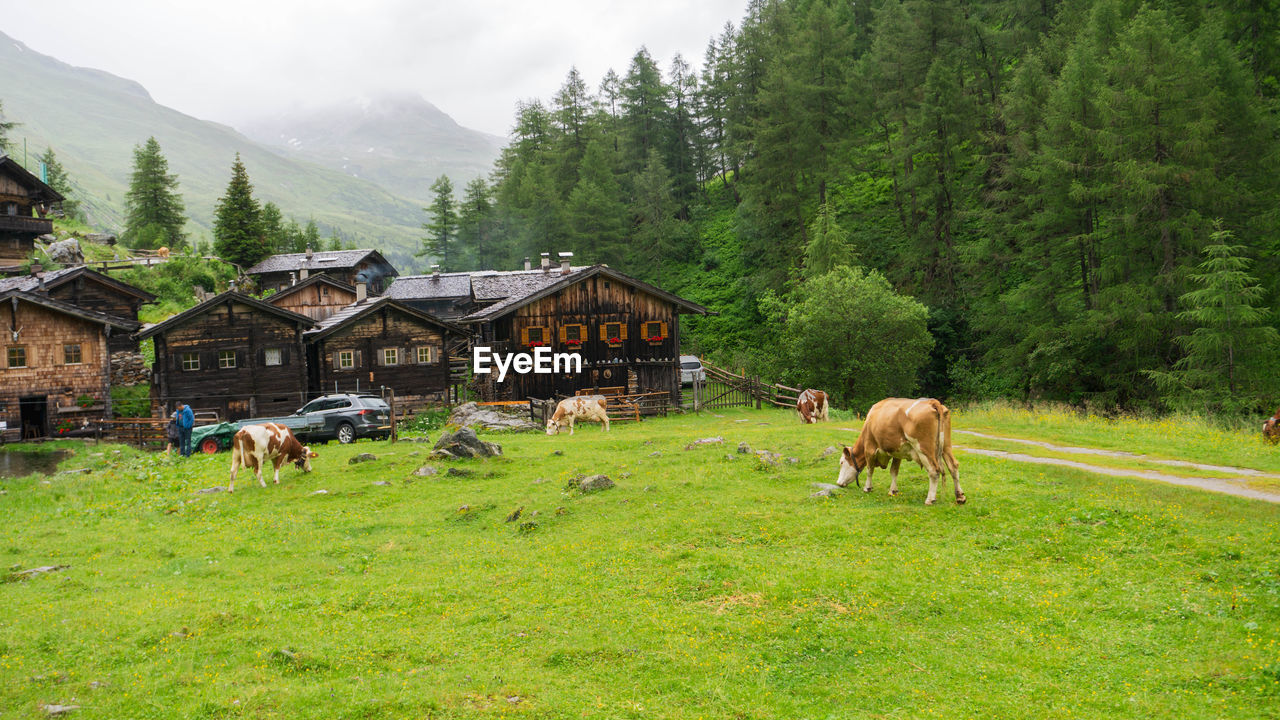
(573, 343)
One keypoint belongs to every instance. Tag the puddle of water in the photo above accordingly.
(14, 463)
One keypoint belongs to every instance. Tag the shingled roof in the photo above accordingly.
(313, 280)
(424, 287)
(204, 307)
(54, 278)
(322, 260)
(357, 310)
(524, 288)
(44, 193)
(69, 309)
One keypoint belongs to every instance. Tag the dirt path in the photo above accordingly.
(1227, 486)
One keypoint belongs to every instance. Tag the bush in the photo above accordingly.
(131, 401)
(426, 421)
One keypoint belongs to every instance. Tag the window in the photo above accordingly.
(227, 359)
(390, 356)
(17, 356)
(71, 354)
(428, 354)
(272, 356)
(613, 333)
(534, 336)
(346, 359)
(324, 290)
(190, 361)
(654, 331)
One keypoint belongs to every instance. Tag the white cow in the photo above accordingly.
(582, 407)
(254, 445)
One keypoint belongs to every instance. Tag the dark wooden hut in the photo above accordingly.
(90, 290)
(380, 342)
(233, 354)
(350, 267)
(317, 297)
(55, 355)
(25, 205)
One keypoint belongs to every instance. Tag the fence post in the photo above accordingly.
(394, 436)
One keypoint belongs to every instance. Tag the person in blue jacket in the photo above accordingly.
(186, 420)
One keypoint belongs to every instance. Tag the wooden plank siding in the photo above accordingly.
(85, 291)
(253, 387)
(317, 301)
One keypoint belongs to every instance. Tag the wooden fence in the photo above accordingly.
(722, 388)
(620, 407)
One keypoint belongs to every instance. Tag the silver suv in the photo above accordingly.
(691, 369)
(348, 417)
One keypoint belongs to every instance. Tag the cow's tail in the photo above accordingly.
(826, 407)
(944, 434)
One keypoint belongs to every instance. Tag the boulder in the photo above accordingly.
(100, 238)
(459, 472)
(472, 415)
(829, 451)
(705, 441)
(426, 471)
(362, 457)
(66, 252)
(587, 484)
(744, 448)
(464, 444)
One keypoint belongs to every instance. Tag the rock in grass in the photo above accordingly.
(33, 572)
(211, 490)
(744, 448)
(528, 527)
(515, 514)
(821, 494)
(591, 483)
(56, 710)
(362, 457)
(459, 472)
(427, 471)
(382, 482)
(465, 444)
(656, 453)
(829, 451)
(558, 453)
(705, 441)
(825, 486)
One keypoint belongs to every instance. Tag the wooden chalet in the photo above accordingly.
(56, 356)
(380, 342)
(350, 267)
(91, 290)
(25, 205)
(317, 297)
(233, 354)
(627, 331)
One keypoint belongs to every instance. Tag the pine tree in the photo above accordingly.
(274, 231)
(829, 246)
(442, 229)
(595, 214)
(1228, 360)
(237, 222)
(645, 124)
(475, 225)
(153, 207)
(59, 180)
(5, 128)
(310, 236)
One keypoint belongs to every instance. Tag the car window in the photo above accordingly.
(339, 404)
(375, 403)
(312, 406)
(691, 365)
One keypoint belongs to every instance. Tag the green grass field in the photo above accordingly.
(701, 586)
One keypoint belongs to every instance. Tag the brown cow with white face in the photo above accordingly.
(900, 429)
(1271, 428)
(812, 406)
(255, 444)
(582, 407)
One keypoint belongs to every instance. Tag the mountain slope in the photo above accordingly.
(94, 119)
(400, 141)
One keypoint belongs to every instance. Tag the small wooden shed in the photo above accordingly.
(317, 297)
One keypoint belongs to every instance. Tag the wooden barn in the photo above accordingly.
(233, 354)
(25, 205)
(56, 356)
(91, 290)
(350, 267)
(627, 331)
(317, 297)
(445, 295)
(380, 342)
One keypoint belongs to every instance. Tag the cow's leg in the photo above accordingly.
(870, 469)
(257, 468)
(235, 466)
(934, 471)
(606, 423)
(953, 467)
(279, 458)
(893, 476)
(570, 424)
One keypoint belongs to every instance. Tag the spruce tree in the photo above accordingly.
(829, 246)
(274, 231)
(237, 222)
(475, 225)
(5, 128)
(153, 208)
(442, 228)
(595, 214)
(59, 180)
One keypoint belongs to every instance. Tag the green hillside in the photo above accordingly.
(94, 119)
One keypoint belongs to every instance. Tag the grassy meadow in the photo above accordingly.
(706, 584)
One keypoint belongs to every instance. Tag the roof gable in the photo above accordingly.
(358, 310)
(69, 309)
(319, 261)
(319, 279)
(44, 193)
(515, 302)
(61, 277)
(187, 316)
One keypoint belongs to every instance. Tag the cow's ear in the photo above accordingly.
(848, 453)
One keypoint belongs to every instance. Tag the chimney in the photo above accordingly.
(546, 262)
(362, 291)
(310, 253)
(435, 271)
(527, 265)
(293, 279)
(565, 257)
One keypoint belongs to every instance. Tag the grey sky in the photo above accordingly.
(233, 60)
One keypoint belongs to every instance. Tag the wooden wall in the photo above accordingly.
(85, 292)
(367, 337)
(252, 388)
(317, 301)
(44, 333)
(595, 302)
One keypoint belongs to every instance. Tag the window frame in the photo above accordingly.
(433, 354)
(346, 360)
(188, 357)
(544, 337)
(21, 350)
(66, 354)
(266, 357)
(390, 356)
(605, 335)
(222, 360)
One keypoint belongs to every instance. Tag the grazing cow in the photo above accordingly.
(900, 429)
(812, 406)
(1271, 428)
(255, 444)
(582, 407)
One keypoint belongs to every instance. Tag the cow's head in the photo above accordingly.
(850, 468)
(303, 462)
(553, 427)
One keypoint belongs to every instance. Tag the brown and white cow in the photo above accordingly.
(253, 445)
(1271, 428)
(812, 406)
(898, 429)
(582, 407)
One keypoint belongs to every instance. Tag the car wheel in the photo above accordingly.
(346, 434)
